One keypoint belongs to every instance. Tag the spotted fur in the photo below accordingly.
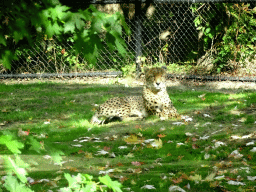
(154, 101)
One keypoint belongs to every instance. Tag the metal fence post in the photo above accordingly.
(138, 38)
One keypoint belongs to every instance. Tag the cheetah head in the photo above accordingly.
(155, 78)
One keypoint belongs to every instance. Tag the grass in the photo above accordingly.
(179, 155)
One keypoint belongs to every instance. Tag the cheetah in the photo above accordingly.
(153, 101)
(155, 96)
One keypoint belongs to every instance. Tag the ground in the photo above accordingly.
(209, 149)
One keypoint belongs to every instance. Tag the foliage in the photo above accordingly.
(25, 21)
(231, 31)
(84, 182)
(81, 182)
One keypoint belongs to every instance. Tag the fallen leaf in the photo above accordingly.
(187, 186)
(169, 154)
(122, 179)
(157, 143)
(250, 143)
(88, 155)
(210, 177)
(194, 139)
(149, 140)
(72, 169)
(106, 148)
(133, 139)
(112, 155)
(218, 144)
(178, 123)
(129, 155)
(77, 145)
(161, 135)
(139, 170)
(80, 151)
(186, 118)
(184, 176)
(243, 119)
(221, 177)
(114, 137)
(195, 146)
(102, 152)
(249, 157)
(30, 180)
(214, 184)
(251, 178)
(177, 181)
(235, 183)
(47, 157)
(235, 154)
(179, 144)
(247, 169)
(253, 149)
(204, 137)
(137, 126)
(176, 188)
(201, 96)
(206, 156)
(106, 172)
(148, 187)
(120, 164)
(196, 178)
(136, 163)
(122, 147)
(188, 134)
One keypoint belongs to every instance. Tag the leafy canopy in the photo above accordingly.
(24, 20)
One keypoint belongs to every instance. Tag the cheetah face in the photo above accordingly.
(155, 78)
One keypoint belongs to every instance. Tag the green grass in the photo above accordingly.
(69, 107)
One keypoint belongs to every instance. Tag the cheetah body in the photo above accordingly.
(154, 101)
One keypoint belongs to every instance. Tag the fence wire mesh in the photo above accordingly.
(172, 33)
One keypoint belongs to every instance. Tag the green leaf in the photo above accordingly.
(2, 39)
(56, 156)
(7, 58)
(18, 167)
(35, 145)
(208, 30)
(74, 20)
(197, 21)
(11, 184)
(11, 144)
(60, 11)
(73, 181)
(114, 185)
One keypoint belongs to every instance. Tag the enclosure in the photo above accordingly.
(53, 88)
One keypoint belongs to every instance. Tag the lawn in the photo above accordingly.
(212, 147)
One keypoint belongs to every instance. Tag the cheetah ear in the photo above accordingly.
(145, 69)
(164, 67)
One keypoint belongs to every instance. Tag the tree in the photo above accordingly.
(23, 21)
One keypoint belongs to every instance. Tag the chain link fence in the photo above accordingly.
(187, 36)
